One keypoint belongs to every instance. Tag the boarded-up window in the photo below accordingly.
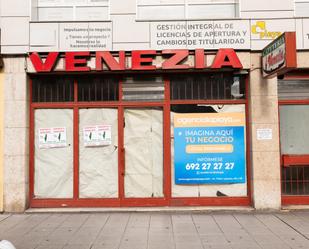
(98, 165)
(143, 142)
(53, 166)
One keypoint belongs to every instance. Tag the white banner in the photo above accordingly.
(201, 34)
(97, 135)
(85, 36)
(55, 137)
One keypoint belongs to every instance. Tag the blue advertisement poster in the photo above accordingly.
(209, 148)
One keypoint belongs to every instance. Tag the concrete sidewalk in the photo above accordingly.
(157, 230)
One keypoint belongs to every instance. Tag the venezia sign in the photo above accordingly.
(139, 60)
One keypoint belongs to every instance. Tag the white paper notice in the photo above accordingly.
(55, 137)
(97, 135)
(85, 36)
(264, 134)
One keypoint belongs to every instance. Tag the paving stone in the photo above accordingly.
(49, 247)
(275, 246)
(154, 231)
(82, 246)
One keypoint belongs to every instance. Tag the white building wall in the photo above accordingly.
(129, 31)
(16, 126)
(15, 17)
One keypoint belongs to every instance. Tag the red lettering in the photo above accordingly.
(199, 58)
(226, 58)
(141, 60)
(138, 60)
(110, 61)
(46, 66)
(73, 63)
(275, 59)
(174, 60)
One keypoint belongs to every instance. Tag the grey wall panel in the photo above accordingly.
(168, 12)
(55, 14)
(302, 9)
(44, 35)
(267, 14)
(208, 11)
(131, 46)
(122, 7)
(160, 2)
(14, 49)
(15, 31)
(306, 33)
(126, 29)
(94, 13)
(261, 5)
(14, 8)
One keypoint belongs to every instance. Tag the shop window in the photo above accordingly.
(74, 10)
(294, 131)
(302, 8)
(208, 86)
(143, 89)
(52, 89)
(294, 136)
(186, 9)
(97, 89)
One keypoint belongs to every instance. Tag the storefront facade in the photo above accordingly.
(137, 165)
(137, 111)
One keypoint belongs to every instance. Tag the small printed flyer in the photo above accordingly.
(97, 135)
(55, 137)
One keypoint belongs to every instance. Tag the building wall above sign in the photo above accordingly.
(123, 32)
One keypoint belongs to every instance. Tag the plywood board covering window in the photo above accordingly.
(54, 166)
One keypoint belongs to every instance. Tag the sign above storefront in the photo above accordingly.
(279, 56)
(138, 60)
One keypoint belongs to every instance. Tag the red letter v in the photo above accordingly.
(47, 66)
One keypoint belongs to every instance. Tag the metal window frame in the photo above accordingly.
(121, 201)
(289, 160)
